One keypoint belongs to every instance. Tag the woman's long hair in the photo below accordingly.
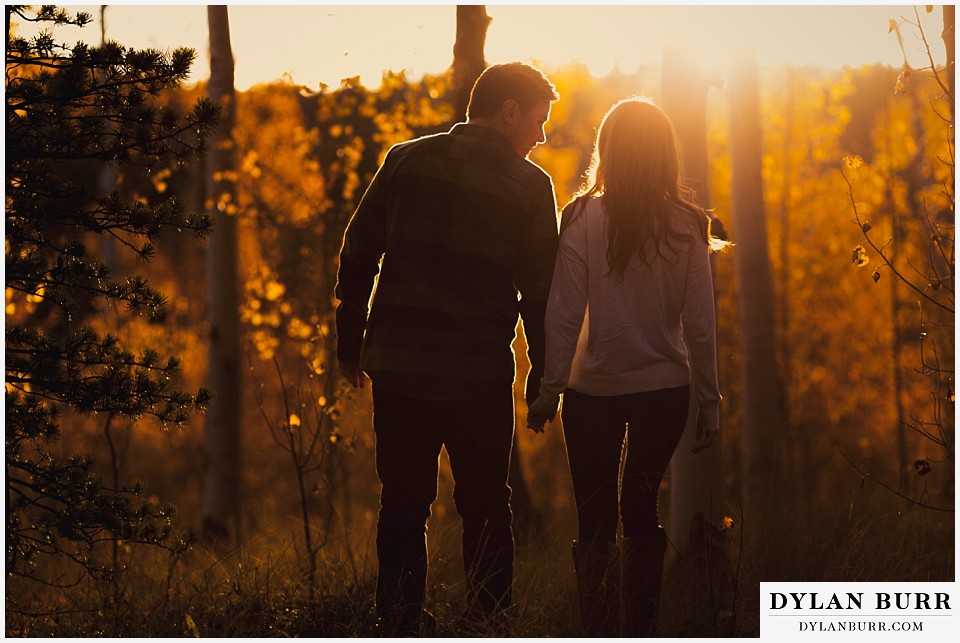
(636, 171)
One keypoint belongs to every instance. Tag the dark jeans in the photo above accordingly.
(594, 428)
(478, 436)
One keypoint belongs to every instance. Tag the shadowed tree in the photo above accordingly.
(222, 484)
(108, 173)
(949, 36)
(468, 58)
(761, 380)
(468, 64)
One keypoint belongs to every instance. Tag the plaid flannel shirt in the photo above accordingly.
(457, 225)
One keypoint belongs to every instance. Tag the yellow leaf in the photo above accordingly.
(892, 25)
(274, 290)
(294, 421)
(37, 297)
(322, 401)
(860, 258)
(853, 161)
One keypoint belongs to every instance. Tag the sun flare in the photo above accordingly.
(310, 45)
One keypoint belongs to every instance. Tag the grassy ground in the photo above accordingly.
(261, 590)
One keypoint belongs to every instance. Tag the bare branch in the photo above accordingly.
(913, 501)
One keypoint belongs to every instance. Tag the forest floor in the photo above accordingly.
(260, 590)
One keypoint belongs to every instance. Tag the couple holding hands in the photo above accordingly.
(618, 314)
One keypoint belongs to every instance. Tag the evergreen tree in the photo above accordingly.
(70, 110)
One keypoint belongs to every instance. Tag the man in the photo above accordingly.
(463, 223)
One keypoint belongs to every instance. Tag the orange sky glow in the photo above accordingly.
(310, 44)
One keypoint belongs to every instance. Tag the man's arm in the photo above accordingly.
(364, 243)
(539, 252)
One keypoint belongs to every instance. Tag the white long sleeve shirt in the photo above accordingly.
(644, 331)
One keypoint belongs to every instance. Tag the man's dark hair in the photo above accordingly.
(498, 83)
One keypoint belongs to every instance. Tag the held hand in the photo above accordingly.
(704, 439)
(352, 373)
(537, 421)
(541, 411)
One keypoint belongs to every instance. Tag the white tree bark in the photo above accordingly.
(695, 479)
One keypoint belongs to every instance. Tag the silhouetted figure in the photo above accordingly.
(463, 223)
(630, 316)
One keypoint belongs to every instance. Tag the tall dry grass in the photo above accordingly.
(856, 533)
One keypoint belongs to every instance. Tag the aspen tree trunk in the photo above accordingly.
(762, 399)
(107, 181)
(949, 36)
(222, 482)
(468, 63)
(786, 204)
(917, 181)
(896, 347)
(468, 58)
(796, 464)
(694, 478)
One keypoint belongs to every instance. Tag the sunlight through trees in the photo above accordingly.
(172, 248)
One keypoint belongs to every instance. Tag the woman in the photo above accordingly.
(630, 321)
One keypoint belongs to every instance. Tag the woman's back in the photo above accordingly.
(630, 316)
(632, 339)
(631, 305)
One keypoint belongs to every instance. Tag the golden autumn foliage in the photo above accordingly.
(849, 332)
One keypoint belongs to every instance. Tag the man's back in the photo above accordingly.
(463, 223)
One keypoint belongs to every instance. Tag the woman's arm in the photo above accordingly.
(566, 306)
(700, 333)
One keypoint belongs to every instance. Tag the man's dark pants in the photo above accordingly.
(478, 436)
